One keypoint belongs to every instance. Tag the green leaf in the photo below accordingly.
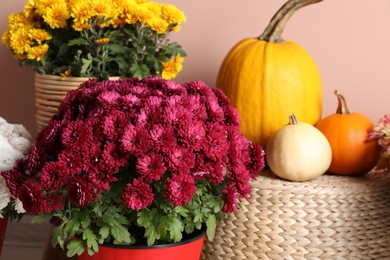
(174, 49)
(39, 219)
(57, 236)
(91, 239)
(85, 221)
(75, 247)
(151, 221)
(120, 233)
(182, 211)
(211, 224)
(190, 227)
(104, 232)
(198, 225)
(198, 216)
(117, 49)
(152, 235)
(71, 227)
(154, 63)
(98, 209)
(86, 64)
(108, 218)
(176, 229)
(78, 41)
(139, 71)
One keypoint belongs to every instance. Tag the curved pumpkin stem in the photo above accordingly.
(273, 32)
(292, 120)
(342, 107)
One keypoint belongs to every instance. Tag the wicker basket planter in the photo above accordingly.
(331, 217)
(49, 92)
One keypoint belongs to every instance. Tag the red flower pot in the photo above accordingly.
(190, 249)
(3, 227)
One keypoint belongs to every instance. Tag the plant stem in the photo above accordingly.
(342, 107)
(292, 120)
(273, 32)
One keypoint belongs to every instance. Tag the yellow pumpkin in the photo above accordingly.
(267, 79)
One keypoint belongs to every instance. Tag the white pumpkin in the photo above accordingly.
(298, 151)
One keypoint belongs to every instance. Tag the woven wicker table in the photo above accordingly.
(331, 217)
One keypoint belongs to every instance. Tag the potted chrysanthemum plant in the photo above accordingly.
(96, 38)
(67, 42)
(136, 162)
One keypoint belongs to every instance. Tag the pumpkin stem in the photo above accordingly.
(342, 107)
(292, 120)
(273, 32)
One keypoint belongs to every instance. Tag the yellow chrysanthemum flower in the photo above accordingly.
(72, 2)
(39, 35)
(176, 28)
(155, 8)
(143, 14)
(65, 74)
(6, 38)
(123, 2)
(37, 52)
(20, 40)
(81, 26)
(56, 15)
(130, 13)
(104, 9)
(18, 20)
(124, 12)
(173, 15)
(172, 67)
(82, 11)
(41, 6)
(158, 25)
(29, 8)
(102, 41)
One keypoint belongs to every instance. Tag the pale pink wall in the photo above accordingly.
(349, 40)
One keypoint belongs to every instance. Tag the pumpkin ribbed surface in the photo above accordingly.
(267, 82)
(352, 153)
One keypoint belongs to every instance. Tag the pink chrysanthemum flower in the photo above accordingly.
(31, 196)
(231, 199)
(53, 202)
(75, 134)
(79, 191)
(150, 166)
(135, 139)
(137, 195)
(114, 124)
(179, 189)
(54, 175)
(381, 132)
(180, 159)
(192, 134)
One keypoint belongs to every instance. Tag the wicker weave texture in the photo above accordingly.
(331, 217)
(49, 92)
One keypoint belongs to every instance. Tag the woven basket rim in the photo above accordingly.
(342, 183)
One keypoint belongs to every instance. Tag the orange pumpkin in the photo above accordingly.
(347, 133)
